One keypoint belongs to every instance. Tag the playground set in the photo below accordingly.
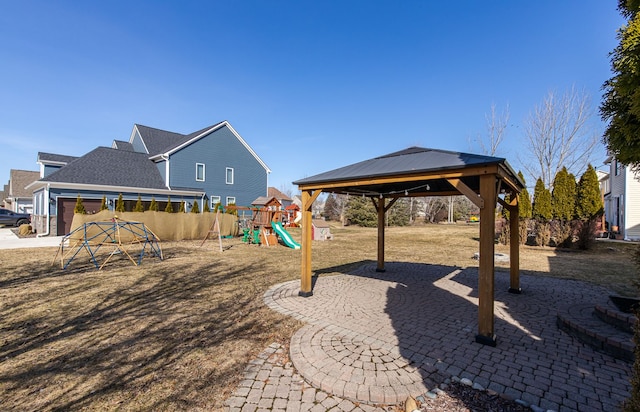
(103, 240)
(265, 223)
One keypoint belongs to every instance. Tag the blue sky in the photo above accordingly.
(310, 85)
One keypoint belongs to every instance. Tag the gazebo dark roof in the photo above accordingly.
(369, 176)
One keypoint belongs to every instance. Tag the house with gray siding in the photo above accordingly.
(213, 165)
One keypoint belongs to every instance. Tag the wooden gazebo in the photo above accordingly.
(419, 172)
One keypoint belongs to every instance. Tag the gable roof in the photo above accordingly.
(110, 167)
(360, 178)
(54, 159)
(156, 140)
(18, 180)
(122, 145)
(163, 143)
(273, 192)
(264, 200)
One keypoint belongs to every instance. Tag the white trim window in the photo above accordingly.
(229, 175)
(200, 172)
(214, 201)
(231, 200)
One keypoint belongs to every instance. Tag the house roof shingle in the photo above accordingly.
(18, 180)
(273, 192)
(110, 167)
(156, 140)
(160, 141)
(55, 158)
(122, 145)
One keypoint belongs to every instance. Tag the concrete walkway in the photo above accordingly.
(372, 339)
(9, 240)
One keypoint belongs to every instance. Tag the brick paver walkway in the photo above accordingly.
(375, 338)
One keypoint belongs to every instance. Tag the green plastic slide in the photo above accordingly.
(284, 235)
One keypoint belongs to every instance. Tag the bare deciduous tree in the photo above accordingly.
(432, 206)
(496, 128)
(336, 207)
(558, 135)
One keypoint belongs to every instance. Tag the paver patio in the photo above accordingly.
(375, 338)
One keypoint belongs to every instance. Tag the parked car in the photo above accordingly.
(7, 217)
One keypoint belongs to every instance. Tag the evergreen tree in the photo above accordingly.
(360, 211)
(195, 208)
(181, 208)
(541, 202)
(153, 207)
(206, 209)
(169, 208)
(621, 101)
(398, 215)
(103, 204)
(79, 208)
(524, 203)
(503, 210)
(120, 204)
(589, 201)
(139, 207)
(563, 196)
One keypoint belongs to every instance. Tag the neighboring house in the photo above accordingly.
(3, 201)
(282, 198)
(622, 200)
(211, 165)
(15, 195)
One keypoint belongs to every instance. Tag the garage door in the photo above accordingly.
(65, 212)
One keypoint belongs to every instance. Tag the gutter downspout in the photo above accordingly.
(47, 206)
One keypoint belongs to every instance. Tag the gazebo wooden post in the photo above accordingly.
(486, 334)
(381, 211)
(514, 246)
(308, 197)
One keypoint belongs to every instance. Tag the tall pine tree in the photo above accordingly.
(541, 202)
(563, 196)
(120, 204)
(103, 204)
(168, 208)
(621, 103)
(153, 206)
(524, 203)
(79, 207)
(139, 207)
(360, 211)
(589, 201)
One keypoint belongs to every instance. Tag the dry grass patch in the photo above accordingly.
(176, 334)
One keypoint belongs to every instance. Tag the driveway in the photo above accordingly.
(8, 240)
